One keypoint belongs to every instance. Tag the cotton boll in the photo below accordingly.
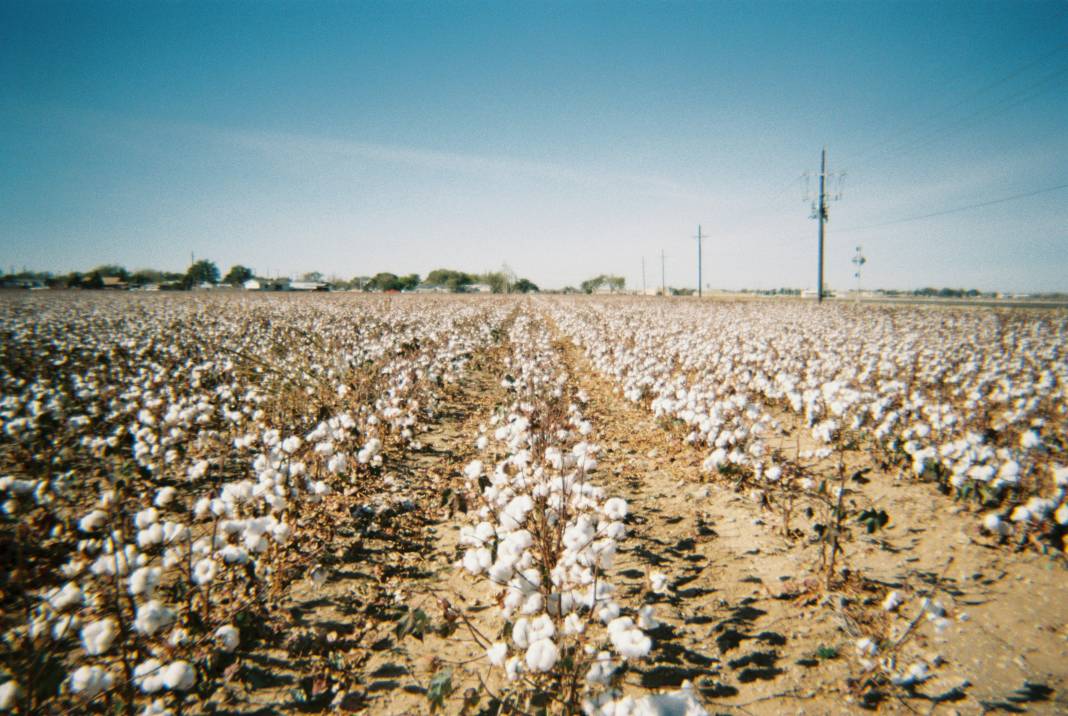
(98, 636)
(646, 620)
(148, 676)
(158, 707)
(227, 637)
(542, 655)
(513, 668)
(93, 521)
(164, 496)
(143, 581)
(204, 571)
(574, 624)
(179, 676)
(615, 508)
(497, 653)
(866, 647)
(995, 525)
(150, 536)
(9, 695)
(1061, 515)
(658, 582)
(70, 595)
(146, 517)
(601, 670)
(153, 616)
(90, 680)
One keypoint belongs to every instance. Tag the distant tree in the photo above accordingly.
(112, 271)
(497, 281)
(455, 281)
(140, 277)
(409, 282)
(313, 276)
(384, 281)
(202, 271)
(525, 286)
(614, 283)
(237, 275)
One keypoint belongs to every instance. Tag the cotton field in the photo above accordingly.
(477, 504)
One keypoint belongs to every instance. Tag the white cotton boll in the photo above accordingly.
(542, 655)
(1061, 515)
(9, 695)
(513, 668)
(866, 647)
(153, 616)
(93, 521)
(197, 471)
(615, 508)
(90, 680)
(204, 571)
(174, 532)
(601, 670)
(1060, 475)
(646, 620)
(143, 580)
(232, 554)
(501, 571)
(65, 626)
(521, 633)
(608, 611)
(227, 637)
(1029, 440)
(291, 444)
(337, 463)
(150, 536)
(658, 582)
(1020, 514)
(148, 676)
(281, 532)
(202, 508)
(179, 676)
(481, 443)
(164, 496)
(497, 653)
(574, 624)
(477, 561)
(70, 595)
(157, 707)
(541, 627)
(772, 474)
(995, 525)
(146, 517)
(628, 641)
(893, 601)
(473, 470)
(917, 673)
(98, 636)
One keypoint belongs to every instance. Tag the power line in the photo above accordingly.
(1002, 200)
(877, 148)
(1026, 94)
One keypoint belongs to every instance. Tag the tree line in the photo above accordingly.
(206, 273)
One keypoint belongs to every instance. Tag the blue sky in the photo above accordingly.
(561, 139)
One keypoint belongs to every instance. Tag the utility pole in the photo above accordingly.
(822, 219)
(663, 284)
(699, 238)
(643, 275)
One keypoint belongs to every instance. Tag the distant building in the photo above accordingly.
(253, 284)
(114, 283)
(479, 288)
(308, 286)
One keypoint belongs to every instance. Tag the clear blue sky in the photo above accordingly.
(562, 139)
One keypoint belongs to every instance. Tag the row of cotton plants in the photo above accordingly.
(546, 536)
(157, 458)
(975, 399)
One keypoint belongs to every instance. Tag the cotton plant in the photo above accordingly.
(545, 535)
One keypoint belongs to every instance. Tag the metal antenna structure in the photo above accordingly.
(858, 261)
(819, 211)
